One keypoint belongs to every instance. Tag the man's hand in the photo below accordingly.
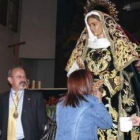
(135, 120)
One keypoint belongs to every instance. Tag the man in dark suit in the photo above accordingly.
(29, 111)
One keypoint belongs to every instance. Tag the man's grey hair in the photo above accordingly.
(11, 70)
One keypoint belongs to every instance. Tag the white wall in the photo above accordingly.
(7, 37)
(38, 27)
(38, 30)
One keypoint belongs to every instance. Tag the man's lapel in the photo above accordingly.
(25, 113)
(5, 106)
(25, 104)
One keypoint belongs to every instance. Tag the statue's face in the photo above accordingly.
(96, 27)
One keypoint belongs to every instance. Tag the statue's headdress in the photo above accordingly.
(102, 5)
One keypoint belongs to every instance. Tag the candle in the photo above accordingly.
(33, 84)
(39, 84)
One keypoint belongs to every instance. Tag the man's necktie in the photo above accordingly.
(12, 120)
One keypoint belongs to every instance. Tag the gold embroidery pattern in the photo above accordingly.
(112, 81)
(80, 46)
(112, 110)
(100, 63)
(125, 108)
(127, 97)
(135, 133)
(124, 51)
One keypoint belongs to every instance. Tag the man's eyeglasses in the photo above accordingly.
(19, 77)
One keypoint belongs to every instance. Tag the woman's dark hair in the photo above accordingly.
(93, 16)
(79, 83)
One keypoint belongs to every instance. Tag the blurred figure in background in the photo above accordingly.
(132, 6)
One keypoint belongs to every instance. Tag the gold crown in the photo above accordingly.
(105, 6)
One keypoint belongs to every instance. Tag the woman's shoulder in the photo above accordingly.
(91, 98)
(60, 102)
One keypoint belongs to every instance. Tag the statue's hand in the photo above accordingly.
(80, 63)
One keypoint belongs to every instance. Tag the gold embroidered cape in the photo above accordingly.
(123, 50)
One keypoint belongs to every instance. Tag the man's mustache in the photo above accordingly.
(23, 83)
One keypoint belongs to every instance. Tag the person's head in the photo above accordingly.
(17, 78)
(95, 25)
(79, 84)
